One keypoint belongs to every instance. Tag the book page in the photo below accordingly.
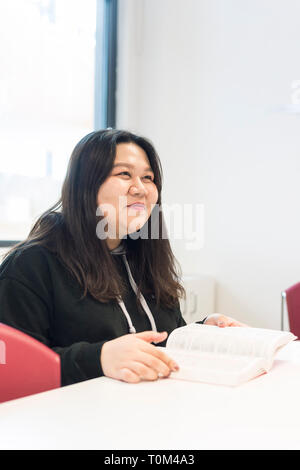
(242, 341)
(220, 370)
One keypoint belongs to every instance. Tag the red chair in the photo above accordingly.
(291, 297)
(26, 365)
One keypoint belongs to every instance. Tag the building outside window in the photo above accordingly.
(53, 91)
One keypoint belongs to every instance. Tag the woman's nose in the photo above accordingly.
(138, 187)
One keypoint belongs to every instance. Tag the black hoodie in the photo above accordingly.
(39, 296)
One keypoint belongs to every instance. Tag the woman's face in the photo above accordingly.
(128, 195)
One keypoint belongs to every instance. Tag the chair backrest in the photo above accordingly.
(292, 295)
(26, 365)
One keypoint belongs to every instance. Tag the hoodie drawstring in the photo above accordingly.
(121, 250)
(124, 310)
(141, 297)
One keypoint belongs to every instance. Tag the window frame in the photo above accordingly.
(105, 72)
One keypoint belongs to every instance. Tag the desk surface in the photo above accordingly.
(167, 414)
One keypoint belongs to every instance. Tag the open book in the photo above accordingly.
(227, 356)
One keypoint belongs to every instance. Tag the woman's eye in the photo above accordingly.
(126, 173)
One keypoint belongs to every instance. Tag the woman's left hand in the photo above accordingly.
(217, 319)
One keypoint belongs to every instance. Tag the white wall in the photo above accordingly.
(202, 79)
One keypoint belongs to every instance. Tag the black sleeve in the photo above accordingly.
(182, 321)
(26, 310)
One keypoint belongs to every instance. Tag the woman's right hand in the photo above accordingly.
(132, 358)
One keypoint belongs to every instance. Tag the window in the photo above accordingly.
(57, 83)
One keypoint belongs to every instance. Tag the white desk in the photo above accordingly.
(167, 414)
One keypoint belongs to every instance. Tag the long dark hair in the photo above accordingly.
(68, 228)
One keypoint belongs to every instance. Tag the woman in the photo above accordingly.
(87, 282)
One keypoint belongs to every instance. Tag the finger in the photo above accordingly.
(232, 323)
(142, 371)
(161, 356)
(160, 367)
(152, 336)
(236, 323)
(127, 375)
(223, 321)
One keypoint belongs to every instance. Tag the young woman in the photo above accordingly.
(90, 281)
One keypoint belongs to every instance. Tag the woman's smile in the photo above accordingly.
(137, 206)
